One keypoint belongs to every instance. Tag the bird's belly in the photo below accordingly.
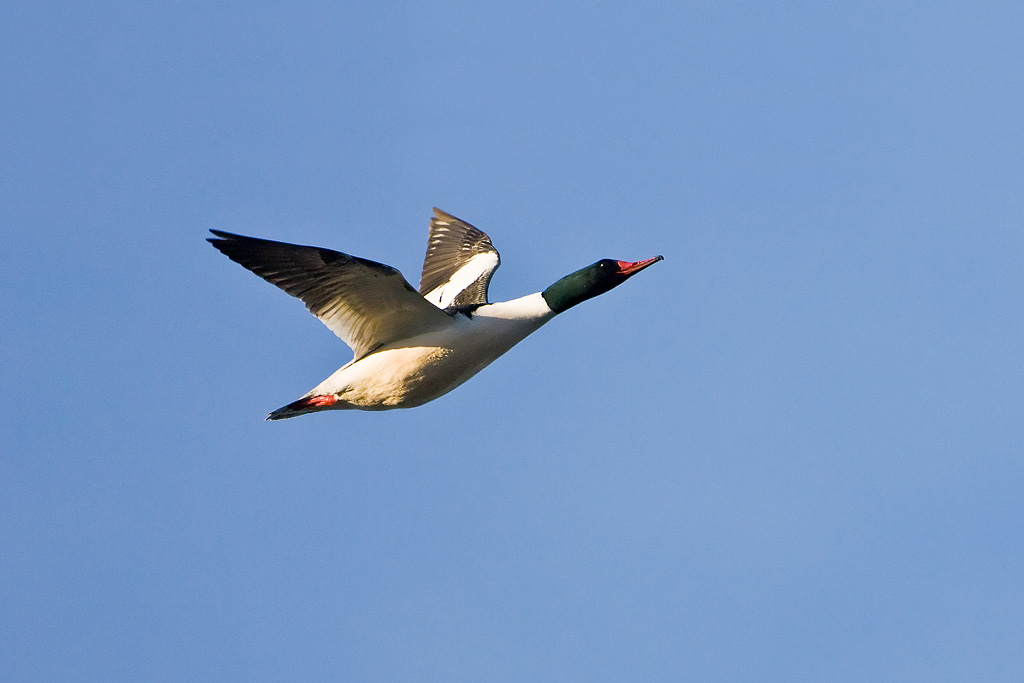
(402, 378)
(415, 373)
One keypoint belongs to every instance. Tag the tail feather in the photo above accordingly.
(306, 404)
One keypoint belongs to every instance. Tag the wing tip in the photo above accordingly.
(444, 217)
(222, 239)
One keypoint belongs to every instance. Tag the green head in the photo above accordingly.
(588, 282)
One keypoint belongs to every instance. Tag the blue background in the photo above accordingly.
(790, 452)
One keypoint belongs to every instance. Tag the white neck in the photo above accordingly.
(529, 307)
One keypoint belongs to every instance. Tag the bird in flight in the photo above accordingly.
(412, 346)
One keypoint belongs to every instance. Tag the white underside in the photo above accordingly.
(414, 371)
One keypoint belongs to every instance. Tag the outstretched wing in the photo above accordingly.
(459, 263)
(365, 303)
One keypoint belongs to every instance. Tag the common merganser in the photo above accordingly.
(412, 346)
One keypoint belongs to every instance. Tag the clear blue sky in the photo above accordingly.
(791, 452)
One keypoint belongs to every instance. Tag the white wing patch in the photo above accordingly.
(478, 266)
(459, 263)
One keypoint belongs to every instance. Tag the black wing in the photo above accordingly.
(364, 302)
